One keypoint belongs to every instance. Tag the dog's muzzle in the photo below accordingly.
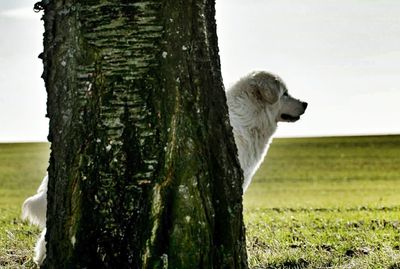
(287, 117)
(290, 118)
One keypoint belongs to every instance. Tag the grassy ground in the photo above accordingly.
(326, 203)
(315, 203)
(21, 168)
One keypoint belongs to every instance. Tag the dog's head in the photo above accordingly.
(271, 91)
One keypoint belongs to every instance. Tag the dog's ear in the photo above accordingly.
(265, 87)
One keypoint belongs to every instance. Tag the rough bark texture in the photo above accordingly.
(143, 171)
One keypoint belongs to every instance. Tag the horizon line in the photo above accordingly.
(280, 136)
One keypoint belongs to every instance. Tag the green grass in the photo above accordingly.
(315, 203)
(22, 166)
(326, 203)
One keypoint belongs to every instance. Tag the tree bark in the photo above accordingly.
(143, 169)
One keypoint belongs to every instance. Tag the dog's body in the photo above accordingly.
(256, 104)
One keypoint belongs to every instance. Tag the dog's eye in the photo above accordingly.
(285, 94)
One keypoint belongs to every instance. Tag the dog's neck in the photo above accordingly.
(253, 128)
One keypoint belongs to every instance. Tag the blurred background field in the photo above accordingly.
(328, 172)
(330, 202)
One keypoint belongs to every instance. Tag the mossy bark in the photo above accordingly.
(143, 170)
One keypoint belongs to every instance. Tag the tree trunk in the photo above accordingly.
(143, 170)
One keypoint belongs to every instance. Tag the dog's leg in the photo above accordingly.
(40, 248)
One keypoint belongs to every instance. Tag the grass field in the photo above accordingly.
(326, 203)
(315, 203)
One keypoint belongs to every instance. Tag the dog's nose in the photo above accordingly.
(305, 105)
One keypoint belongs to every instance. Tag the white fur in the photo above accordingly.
(256, 103)
(34, 209)
(40, 248)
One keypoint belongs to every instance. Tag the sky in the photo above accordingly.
(23, 96)
(341, 56)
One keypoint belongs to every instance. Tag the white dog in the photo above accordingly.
(256, 104)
